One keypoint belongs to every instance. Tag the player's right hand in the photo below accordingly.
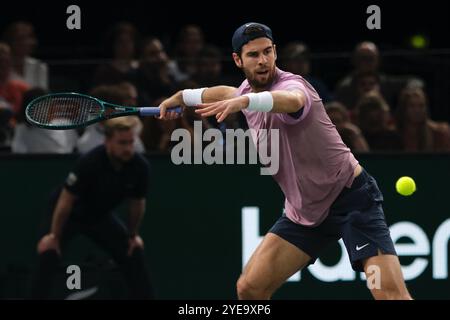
(49, 242)
(174, 101)
(166, 114)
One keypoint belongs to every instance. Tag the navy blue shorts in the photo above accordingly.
(356, 216)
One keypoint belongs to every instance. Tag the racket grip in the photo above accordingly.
(154, 111)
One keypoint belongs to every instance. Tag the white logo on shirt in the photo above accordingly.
(359, 248)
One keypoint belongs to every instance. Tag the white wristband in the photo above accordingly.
(261, 101)
(192, 97)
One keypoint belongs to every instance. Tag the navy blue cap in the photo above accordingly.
(249, 31)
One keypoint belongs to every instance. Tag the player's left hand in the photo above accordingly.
(222, 108)
(135, 242)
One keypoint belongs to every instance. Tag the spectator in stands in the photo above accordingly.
(157, 75)
(10, 90)
(94, 135)
(296, 58)
(189, 44)
(375, 122)
(129, 94)
(6, 125)
(123, 39)
(209, 74)
(209, 68)
(153, 50)
(364, 82)
(418, 132)
(366, 60)
(350, 133)
(30, 139)
(21, 38)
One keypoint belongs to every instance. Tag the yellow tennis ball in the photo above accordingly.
(405, 186)
(418, 41)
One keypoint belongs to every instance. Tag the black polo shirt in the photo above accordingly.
(100, 187)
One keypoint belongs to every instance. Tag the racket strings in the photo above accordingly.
(64, 111)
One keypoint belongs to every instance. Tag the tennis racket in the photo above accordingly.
(61, 111)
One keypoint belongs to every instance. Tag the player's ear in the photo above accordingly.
(275, 52)
(237, 60)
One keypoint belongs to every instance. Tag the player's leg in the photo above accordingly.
(385, 278)
(287, 248)
(112, 235)
(272, 263)
(368, 241)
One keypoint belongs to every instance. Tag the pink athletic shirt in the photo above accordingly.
(314, 163)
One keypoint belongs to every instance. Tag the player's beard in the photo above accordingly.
(257, 84)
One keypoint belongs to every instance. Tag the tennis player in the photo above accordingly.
(100, 181)
(328, 194)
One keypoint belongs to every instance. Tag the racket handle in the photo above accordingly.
(154, 111)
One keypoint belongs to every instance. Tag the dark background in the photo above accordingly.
(194, 239)
(330, 28)
(325, 25)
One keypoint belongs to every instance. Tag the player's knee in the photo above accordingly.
(247, 290)
(243, 287)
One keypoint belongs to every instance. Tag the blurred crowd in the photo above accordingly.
(372, 111)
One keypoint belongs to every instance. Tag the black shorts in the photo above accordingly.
(356, 216)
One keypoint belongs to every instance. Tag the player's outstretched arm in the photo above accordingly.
(192, 97)
(281, 101)
(218, 93)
